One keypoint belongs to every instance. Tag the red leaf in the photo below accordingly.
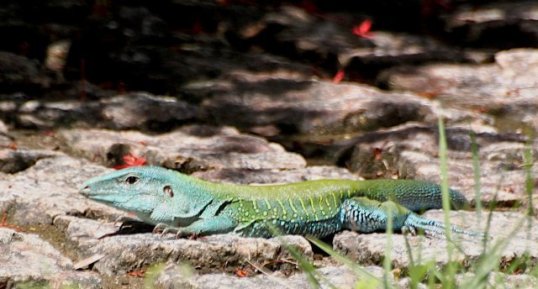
(223, 2)
(363, 29)
(241, 273)
(339, 76)
(5, 224)
(378, 154)
(138, 274)
(308, 6)
(197, 27)
(12, 146)
(130, 160)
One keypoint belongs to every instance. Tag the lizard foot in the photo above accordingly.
(164, 229)
(434, 228)
(409, 230)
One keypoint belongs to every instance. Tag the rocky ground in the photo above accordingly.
(235, 92)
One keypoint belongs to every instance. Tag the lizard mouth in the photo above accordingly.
(87, 192)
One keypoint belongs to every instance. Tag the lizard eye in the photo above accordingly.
(131, 180)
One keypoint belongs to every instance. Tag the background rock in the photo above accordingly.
(498, 89)
(28, 260)
(511, 228)
(188, 149)
(324, 86)
(412, 152)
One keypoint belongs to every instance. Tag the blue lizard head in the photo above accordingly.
(135, 189)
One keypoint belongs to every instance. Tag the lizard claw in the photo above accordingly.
(164, 229)
(170, 230)
(160, 228)
(409, 230)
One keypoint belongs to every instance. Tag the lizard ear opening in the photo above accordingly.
(168, 190)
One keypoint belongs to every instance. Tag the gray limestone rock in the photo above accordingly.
(133, 110)
(20, 73)
(511, 229)
(211, 253)
(6, 141)
(275, 175)
(411, 151)
(507, 89)
(16, 160)
(485, 23)
(315, 107)
(138, 110)
(327, 40)
(185, 149)
(49, 188)
(173, 277)
(27, 259)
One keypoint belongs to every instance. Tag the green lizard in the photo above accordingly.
(185, 205)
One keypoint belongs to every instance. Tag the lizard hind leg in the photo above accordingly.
(365, 215)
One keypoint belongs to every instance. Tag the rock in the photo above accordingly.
(316, 107)
(496, 279)
(82, 91)
(485, 24)
(173, 276)
(412, 152)
(125, 253)
(48, 189)
(6, 141)
(16, 160)
(245, 176)
(140, 110)
(184, 149)
(331, 42)
(500, 89)
(3, 128)
(144, 110)
(19, 73)
(26, 259)
(371, 248)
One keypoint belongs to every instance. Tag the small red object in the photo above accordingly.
(339, 76)
(138, 274)
(363, 29)
(12, 146)
(241, 273)
(378, 154)
(309, 6)
(5, 224)
(130, 160)
(197, 27)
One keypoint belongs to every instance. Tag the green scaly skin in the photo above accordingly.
(189, 206)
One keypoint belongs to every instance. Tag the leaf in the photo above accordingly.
(363, 29)
(339, 76)
(130, 160)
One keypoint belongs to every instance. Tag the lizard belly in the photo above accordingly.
(265, 228)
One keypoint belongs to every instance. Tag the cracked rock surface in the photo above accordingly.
(233, 92)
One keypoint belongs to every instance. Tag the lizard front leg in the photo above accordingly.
(209, 226)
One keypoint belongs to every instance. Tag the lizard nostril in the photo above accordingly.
(85, 190)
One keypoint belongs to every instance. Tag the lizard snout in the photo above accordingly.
(85, 190)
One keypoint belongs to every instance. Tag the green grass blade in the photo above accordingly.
(387, 261)
(450, 270)
(358, 270)
(476, 176)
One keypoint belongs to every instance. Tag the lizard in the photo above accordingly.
(188, 206)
